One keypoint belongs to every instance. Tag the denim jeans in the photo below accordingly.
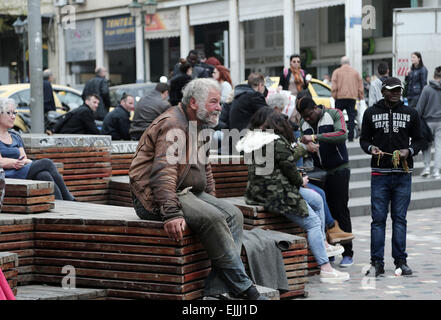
(329, 220)
(314, 224)
(393, 189)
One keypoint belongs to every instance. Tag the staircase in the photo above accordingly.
(426, 192)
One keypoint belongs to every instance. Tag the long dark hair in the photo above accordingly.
(279, 123)
(259, 118)
(421, 64)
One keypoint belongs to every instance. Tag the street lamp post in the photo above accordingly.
(21, 28)
(138, 10)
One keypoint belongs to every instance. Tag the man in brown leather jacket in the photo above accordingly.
(171, 180)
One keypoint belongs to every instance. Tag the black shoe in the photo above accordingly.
(405, 270)
(251, 294)
(379, 268)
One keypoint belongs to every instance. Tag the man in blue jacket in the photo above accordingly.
(388, 126)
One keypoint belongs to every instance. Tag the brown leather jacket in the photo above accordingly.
(154, 180)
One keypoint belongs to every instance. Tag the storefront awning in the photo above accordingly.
(259, 9)
(209, 12)
(163, 24)
(302, 5)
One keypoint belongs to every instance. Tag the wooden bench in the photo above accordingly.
(8, 265)
(230, 175)
(121, 156)
(85, 159)
(110, 248)
(28, 196)
(119, 191)
(255, 216)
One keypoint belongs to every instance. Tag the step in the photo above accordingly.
(361, 174)
(419, 200)
(43, 292)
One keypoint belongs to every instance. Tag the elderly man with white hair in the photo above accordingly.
(347, 87)
(171, 180)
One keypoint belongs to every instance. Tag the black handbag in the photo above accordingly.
(316, 176)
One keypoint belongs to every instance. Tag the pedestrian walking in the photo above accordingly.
(347, 87)
(429, 108)
(416, 79)
(391, 134)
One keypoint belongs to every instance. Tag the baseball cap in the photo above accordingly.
(391, 83)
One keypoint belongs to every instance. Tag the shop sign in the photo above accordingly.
(119, 32)
(80, 42)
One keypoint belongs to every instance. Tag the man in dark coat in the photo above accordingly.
(82, 120)
(99, 86)
(117, 122)
(148, 109)
(48, 96)
(247, 100)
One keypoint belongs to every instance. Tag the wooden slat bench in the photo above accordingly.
(8, 265)
(85, 159)
(110, 248)
(119, 191)
(255, 216)
(230, 175)
(121, 156)
(28, 196)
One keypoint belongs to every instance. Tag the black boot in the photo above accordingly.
(379, 268)
(251, 294)
(405, 270)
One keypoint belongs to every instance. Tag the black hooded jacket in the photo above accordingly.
(245, 104)
(391, 129)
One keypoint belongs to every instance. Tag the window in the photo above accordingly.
(69, 99)
(336, 24)
(274, 32)
(388, 7)
(321, 90)
(249, 30)
(22, 98)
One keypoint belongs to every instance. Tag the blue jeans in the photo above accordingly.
(394, 189)
(329, 220)
(314, 224)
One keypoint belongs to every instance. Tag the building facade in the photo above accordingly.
(245, 35)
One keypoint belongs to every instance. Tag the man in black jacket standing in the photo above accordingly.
(99, 86)
(117, 122)
(388, 127)
(82, 120)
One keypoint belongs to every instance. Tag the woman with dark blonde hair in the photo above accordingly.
(222, 75)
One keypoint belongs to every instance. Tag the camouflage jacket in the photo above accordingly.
(277, 191)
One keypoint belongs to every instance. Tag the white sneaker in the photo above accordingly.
(425, 173)
(333, 251)
(436, 175)
(334, 277)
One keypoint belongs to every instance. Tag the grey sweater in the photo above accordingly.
(429, 104)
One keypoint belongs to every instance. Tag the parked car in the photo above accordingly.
(66, 99)
(137, 90)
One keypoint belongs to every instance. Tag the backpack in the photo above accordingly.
(61, 121)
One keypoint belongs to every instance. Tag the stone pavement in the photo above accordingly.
(424, 258)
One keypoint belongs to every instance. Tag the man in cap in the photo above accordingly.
(391, 134)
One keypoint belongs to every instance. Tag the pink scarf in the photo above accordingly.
(5, 290)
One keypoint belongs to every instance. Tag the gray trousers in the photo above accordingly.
(436, 131)
(219, 226)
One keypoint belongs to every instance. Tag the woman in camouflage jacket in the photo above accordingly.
(275, 183)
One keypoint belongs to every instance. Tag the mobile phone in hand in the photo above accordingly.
(21, 158)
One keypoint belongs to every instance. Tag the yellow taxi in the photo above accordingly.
(320, 91)
(66, 99)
